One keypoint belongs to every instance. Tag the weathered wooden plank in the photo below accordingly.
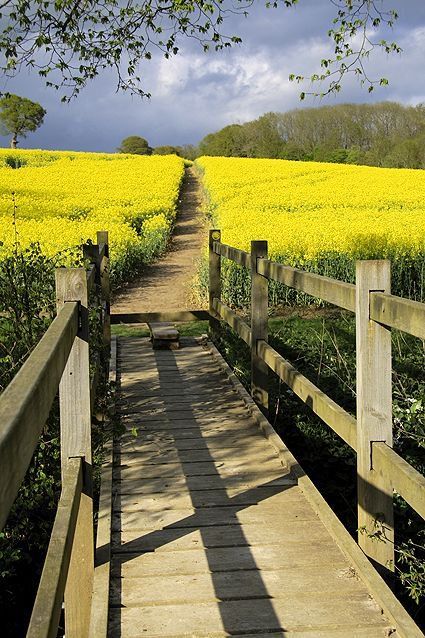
(179, 422)
(48, 604)
(212, 516)
(129, 480)
(152, 454)
(252, 616)
(225, 559)
(180, 411)
(259, 326)
(165, 540)
(259, 454)
(301, 582)
(399, 313)
(163, 330)
(26, 402)
(240, 257)
(266, 496)
(231, 318)
(75, 435)
(214, 277)
(333, 291)
(374, 416)
(180, 395)
(330, 412)
(407, 481)
(248, 440)
(198, 468)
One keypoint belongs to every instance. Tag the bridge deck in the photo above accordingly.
(211, 534)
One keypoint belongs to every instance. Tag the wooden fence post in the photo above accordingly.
(75, 425)
(259, 328)
(214, 287)
(374, 416)
(103, 238)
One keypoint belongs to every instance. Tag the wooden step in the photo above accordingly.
(164, 335)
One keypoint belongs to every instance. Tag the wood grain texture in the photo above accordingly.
(26, 402)
(399, 313)
(259, 326)
(338, 293)
(75, 425)
(214, 268)
(48, 604)
(374, 415)
(215, 539)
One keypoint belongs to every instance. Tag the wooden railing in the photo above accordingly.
(61, 361)
(380, 470)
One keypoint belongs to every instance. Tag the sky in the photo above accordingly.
(194, 93)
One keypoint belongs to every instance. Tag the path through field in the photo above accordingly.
(165, 284)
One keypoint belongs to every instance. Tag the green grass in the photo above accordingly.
(189, 329)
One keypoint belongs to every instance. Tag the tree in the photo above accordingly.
(19, 116)
(135, 145)
(70, 43)
(166, 150)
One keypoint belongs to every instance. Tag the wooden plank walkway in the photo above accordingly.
(211, 534)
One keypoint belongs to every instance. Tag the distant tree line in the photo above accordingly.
(383, 134)
(139, 146)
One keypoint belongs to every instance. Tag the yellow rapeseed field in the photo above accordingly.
(61, 199)
(321, 216)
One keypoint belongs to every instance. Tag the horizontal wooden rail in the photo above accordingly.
(167, 316)
(338, 293)
(397, 312)
(232, 319)
(239, 256)
(26, 402)
(48, 604)
(406, 481)
(340, 421)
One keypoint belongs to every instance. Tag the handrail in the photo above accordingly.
(338, 293)
(234, 254)
(406, 481)
(397, 312)
(341, 422)
(60, 361)
(232, 319)
(380, 469)
(48, 603)
(338, 419)
(25, 403)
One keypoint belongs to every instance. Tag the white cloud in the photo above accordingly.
(196, 93)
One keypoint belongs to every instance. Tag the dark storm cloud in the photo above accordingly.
(194, 93)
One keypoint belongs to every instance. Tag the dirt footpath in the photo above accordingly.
(166, 284)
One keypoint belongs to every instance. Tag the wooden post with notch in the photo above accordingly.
(214, 287)
(75, 431)
(374, 417)
(259, 328)
(103, 238)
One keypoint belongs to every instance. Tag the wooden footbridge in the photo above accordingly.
(207, 525)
